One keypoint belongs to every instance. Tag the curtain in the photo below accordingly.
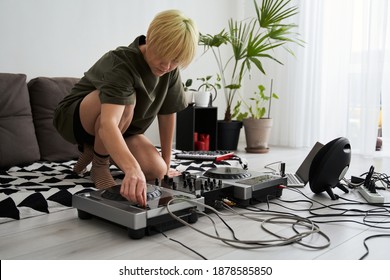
(386, 90)
(336, 84)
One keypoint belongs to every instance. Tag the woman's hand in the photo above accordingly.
(133, 187)
(173, 172)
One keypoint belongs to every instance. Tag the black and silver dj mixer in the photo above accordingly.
(110, 205)
(209, 187)
(239, 185)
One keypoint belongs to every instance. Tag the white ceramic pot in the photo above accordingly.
(202, 98)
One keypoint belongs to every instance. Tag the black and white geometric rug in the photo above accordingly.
(46, 187)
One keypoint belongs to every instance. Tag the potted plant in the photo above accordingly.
(206, 86)
(211, 88)
(189, 91)
(249, 41)
(257, 120)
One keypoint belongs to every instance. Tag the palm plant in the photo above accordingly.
(250, 41)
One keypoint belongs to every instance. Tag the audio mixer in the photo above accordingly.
(238, 185)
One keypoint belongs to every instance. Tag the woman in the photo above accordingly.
(118, 98)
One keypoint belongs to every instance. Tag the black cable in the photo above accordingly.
(226, 224)
(379, 177)
(185, 246)
(314, 218)
(240, 160)
(365, 244)
(381, 211)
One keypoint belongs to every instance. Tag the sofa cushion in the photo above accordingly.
(45, 94)
(18, 143)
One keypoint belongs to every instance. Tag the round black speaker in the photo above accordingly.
(329, 166)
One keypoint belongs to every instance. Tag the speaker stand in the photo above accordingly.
(332, 195)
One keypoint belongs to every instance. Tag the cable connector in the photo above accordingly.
(282, 169)
(218, 204)
(357, 180)
(228, 202)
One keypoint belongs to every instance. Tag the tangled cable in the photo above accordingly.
(295, 221)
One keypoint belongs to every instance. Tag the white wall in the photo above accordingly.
(65, 37)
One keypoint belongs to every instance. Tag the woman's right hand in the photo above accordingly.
(133, 187)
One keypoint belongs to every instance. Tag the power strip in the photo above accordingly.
(369, 196)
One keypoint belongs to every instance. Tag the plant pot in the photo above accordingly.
(228, 135)
(257, 133)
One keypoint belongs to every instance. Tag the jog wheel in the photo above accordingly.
(227, 173)
(114, 193)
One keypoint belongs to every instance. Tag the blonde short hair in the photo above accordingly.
(173, 36)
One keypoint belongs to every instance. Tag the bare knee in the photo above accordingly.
(151, 162)
(156, 171)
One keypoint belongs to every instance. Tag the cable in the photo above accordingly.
(298, 221)
(365, 244)
(382, 178)
(185, 246)
(254, 244)
(267, 166)
(241, 161)
(302, 227)
(381, 212)
(350, 184)
(374, 217)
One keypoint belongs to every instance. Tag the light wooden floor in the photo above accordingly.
(62, 235)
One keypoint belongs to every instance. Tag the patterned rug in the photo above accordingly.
(47, 187)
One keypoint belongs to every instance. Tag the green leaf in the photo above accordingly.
(249, 43)
(233, 86)
(188, 83)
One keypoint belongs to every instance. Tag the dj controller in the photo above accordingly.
(187, 194)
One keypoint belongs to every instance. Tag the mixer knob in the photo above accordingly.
(185, 175)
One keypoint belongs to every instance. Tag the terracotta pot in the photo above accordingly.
(257, 133)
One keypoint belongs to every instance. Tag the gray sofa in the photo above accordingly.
(27, 134)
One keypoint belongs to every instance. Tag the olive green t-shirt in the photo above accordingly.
(123, 77)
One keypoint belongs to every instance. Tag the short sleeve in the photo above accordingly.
(112, 77)
(175, 100)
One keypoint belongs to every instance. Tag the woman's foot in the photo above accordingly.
(84, 159)
(100, 172)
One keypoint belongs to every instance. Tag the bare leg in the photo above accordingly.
(90, 118)
(152, 164)
(150, 161)
(85, 108)
(90, 109)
